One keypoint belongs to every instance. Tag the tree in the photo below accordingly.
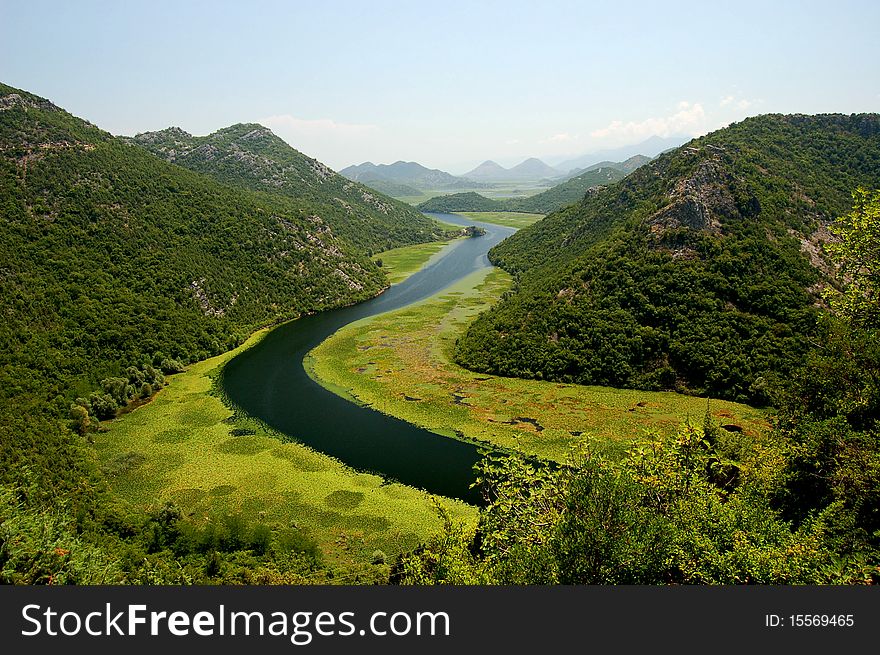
(79, 416)
(858, 255)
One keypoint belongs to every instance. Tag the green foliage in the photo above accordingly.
(830, 411)
(39, 544)
(566, 193)
(470, 201)
(688, 274)
(858, 255)
(553, 199)
(250, 156)
(800, 505)
(656, 517)
(114, 255)
(120, 268)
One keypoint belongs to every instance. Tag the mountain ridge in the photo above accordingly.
(699, 272)
(251, 156)
(89, 286)
(556, 197)
(650, 147)
(529, 169)
(407, 173)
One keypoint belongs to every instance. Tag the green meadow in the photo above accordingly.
(187, 447)
(509, 219)
(400, 263)
(399, 363)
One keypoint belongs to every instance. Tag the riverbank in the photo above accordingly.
(400, 363)
(187, 447)
(400, 263)
(516, 220)
(267, 383)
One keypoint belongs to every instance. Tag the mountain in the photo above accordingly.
(532, 169)
(116, 260)
(250, 156)
(650, 148)
(553, 199)
(566, 193)
(626, 167)
(392, 189)
(488, 170)
(698, 272)
(405, 172)
(528, 170)
(469, 201)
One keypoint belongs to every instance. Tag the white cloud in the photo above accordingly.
(689, 119)
(726, 100)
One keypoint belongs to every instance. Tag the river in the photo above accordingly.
(269, 382)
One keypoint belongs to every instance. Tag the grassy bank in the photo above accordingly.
(185, 446)
(509, 219)
(400, 263)
(400, 364)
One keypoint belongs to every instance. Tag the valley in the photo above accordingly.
(209, 379)
(400, 363)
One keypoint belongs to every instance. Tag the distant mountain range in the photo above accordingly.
(407, 173)
(561, 195)
(404, 178)
(650, 148)
(531, 170)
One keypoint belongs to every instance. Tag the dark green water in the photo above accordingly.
(269, 382)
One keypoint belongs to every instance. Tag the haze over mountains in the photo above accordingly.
(650, 147)
(530, 169)
(402, 179)
(556, 197)
(406, 173)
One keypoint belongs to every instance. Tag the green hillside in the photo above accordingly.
(698, 272)
(393, 189)
(627, 166)
(251, 156)
(566, 193)
(118, 269)
(470, 201)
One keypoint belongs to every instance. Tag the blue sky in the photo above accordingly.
(447, 84)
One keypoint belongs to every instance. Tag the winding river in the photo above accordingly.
(268, 382)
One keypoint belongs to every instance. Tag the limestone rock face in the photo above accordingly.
(698, 202)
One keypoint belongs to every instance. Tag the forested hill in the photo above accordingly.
(251, 156)
(566, 193)
(469, 201)
(697, 272)
(113, 258)
(553, 199)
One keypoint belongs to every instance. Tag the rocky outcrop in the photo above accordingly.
(11, 100)
(699, 201)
